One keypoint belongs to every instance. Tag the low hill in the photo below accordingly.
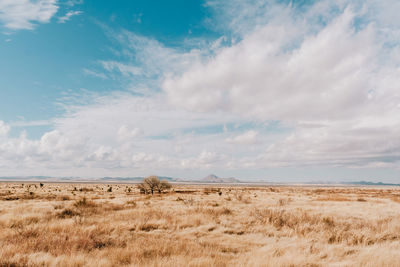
(212, 178)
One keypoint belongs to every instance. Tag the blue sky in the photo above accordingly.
(258, 89)
(52, 55)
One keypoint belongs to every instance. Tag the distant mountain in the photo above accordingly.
(125, 179)
(135, 179)
(170, 179)
(212, 178)
(209, 179)
(79, 179)
(369, 183)
(37, 178)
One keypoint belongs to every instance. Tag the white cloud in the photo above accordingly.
(4, 128)
(352, 143)
(94, 73)
(323, 84)
(68, 16)
(120, 133)
(125, 70)
(240, 17)
(320, 79)
(72, 3)
(151, 56)
(247, 138)
(24, 123)
(126, 134)
(25, 14)
(204, 160)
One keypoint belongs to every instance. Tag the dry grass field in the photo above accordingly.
(93, 225)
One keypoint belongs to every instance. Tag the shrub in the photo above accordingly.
(83, 203)
(152, 184)
(131, 203)
(67, 213)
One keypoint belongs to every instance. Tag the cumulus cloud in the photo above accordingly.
(340, 78)
(355, 144)
(320, 79)
(118, 133)
(204, 160)
(125, 133)
(4, 128)
(26, 14)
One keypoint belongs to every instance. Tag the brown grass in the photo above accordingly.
(62, 225)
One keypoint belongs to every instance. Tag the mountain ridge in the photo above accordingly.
(211, 179)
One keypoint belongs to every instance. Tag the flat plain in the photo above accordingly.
(198, 225)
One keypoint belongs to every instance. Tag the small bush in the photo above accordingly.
(131, 203)
(67, 213)
(85, 189)
(148, 227)
(64, 198)
(84, 203)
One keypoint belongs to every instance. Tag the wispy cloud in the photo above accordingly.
(124, 69)
(68, 16)
(72, 3)
(94, 73)
(31, 123)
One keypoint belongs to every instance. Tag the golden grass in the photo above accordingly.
(91, 225)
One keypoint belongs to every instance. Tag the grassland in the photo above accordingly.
(93, 225)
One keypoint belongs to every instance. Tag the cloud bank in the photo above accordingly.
(285, 85)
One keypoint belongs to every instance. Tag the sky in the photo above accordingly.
(281, 91)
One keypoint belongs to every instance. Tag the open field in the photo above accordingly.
(92, 225)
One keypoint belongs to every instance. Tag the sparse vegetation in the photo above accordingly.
(194, 226)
